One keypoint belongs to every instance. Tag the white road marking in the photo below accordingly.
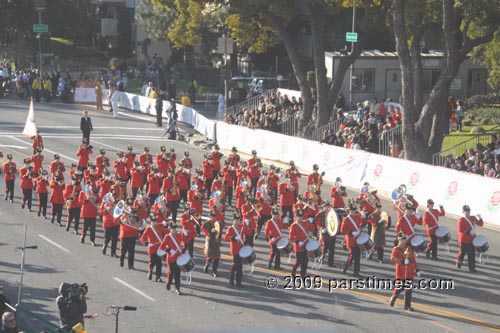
(135, 289)
(150, 119)
(73, 135)
(54, 243)
(15, 147)
(45, 149)
(95, 127)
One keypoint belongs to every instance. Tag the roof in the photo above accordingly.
(380, 54)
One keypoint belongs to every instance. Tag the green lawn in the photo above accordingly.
(456, 138)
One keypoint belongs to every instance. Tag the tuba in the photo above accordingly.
(128, 216)
(109, 202)
(397, 194)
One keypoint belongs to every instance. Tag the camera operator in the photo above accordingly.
(71, 303)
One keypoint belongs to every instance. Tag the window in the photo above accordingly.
(430, 77)
(363, 80)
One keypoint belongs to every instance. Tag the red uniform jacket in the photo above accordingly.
(108, 221)
(229, 175)
(119, 166)
(294, 177)
(57, 196)
(286, 195)
(130, 157)
(240, 196)
(337, 200)
(89, 207)
(250, 222)
(127, 231)
(37, 161)
(464, 228)
(314, 178)
(168, 244)
(182, 180)
(154, 183)
(403, 225)
(208, 167)
(54, 166)
(83, 154)
(188, 227)
(431, 218)
(146, 160)
(41, 185)
(195, 200)
(368, 208)
(234, 244)
(162, 163)
(348, 228)
(234, 160)
(216, 158)
(9, 171)
(26, 179)
(186, 162)
(297, 235)
(273, 230)
(37, 141)
(153, 240)
(404, 271)
(137, 178)
(68, 193)
(254, 168)
(273, 179)
(241, 175)
(101, 162)
(400, 203)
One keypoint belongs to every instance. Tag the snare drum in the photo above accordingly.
(418, 244)
(247, 254)
(185, 262)
(481, 244)
(443, 235)
(341, 213)
(364, 241)
(285, 246)
(313, 248)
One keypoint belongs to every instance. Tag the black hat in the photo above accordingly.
(216, 147)
(254, 152)
(409, 205)
(56, 156)
(315, 167)
(119, 153)
(272, 167)
(192, 211)
(226, 162)
(74, 178)
(317, 192)
(129, 147)
(401, 235)
(146, 148)
(152, 217)
(130, 201)
(172, 149)
(378, 205)
(275, 211)
(39, 150)
(466, 208)
(186, 153)
(102, 151)
(352, 205)
(292, 163)
(162, 148)
(236, 216)
(213, 213)
(173, 225)
(26, 160)
(234, 150)
(299, 212)
(430, 202)
(73, 165)
(209, 156)
(9, 156)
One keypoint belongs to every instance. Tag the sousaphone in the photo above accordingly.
(127, 216)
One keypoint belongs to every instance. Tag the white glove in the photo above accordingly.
(238, 238)
(418, 273)
(473, 232)
(301, 243)
(164, 223)
(355, 233)
(247, 222)
(286, 219)
(311, 219)
(150, 245)
(478, 216)
(381, 221)
(172, 252)
(418, 215)
(407, 261)
(273, 239)
(185, 232)
(364, 214)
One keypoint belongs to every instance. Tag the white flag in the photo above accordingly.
(30, 127)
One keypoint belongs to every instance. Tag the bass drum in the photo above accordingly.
(185, 263)
(333, 222)
(313, 248)
(285, 246)
(247, 254)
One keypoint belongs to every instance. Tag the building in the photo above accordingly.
(377, 74)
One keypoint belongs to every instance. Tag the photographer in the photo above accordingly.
(71, 303)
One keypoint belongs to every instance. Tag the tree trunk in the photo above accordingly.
(323, 102)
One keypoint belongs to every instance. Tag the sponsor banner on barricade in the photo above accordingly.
(87, 95)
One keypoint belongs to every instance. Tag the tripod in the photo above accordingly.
(115, 311)
(172, 130)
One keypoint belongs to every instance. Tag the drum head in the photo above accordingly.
(441, 232)
(312, 245)
(245, 251)
(183, 259)
(160, 252)
(332, 223)
(282, 243)
(362, 238)
(479, 241)
(417, 240)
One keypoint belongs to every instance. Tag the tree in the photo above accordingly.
(489, 56)
(465, 25)
(155, 20)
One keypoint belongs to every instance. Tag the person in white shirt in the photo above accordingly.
(220, 100)
(149, 89)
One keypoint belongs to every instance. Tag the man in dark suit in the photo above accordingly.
(86, 126)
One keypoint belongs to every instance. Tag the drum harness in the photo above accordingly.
(367, 253)
(411, 227)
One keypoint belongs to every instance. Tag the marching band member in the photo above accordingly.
(101, 162)
(57, 167)
(406, 269)
(298, 235)
(136, 178)
(90, 176)
(130, 158)
(327, 241)
(160, 209)
(212, 243)
(351, 228)
(141, 203)
(234, 158)
(73, 203)
(241, 193)
(182, 177)
(216, 156)
(128, 236)
(187, 164)
(250, 216)
(466, 233)
(37, 160)
(377, 233)
(105, 184)
(120, 164)
(272, 231)
(89, 214)
(234, 236)
(337, 193)
(199, 180)
(287, 198)
(9, 175)
(369, 200)
(228, 177)
(162, 160)
(153, 188)
(26, 175)
(152, 237)
(431, 217)
(146, 161)
(111, 227)
(208, 167)
(172, 243)
(173, 197)
(264, 213)
(242, 174)
(37, 141)
(41, 190)
(294, 177)
(217, 185)
(273, 181)
(254, 164)
(399, 205)
(83, 153)
(172, 158)
(315, 178)
(57, 199)
(195, 199)
(407, 222)
(188, 223)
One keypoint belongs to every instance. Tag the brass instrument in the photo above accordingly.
(398, 193)
(128, 216)
(371, 200)
(108, 202)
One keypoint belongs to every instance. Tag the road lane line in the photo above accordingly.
(448, 329)
(54, 243)
(150, 119)
(95, 127)
(45, 149)
(134, 289)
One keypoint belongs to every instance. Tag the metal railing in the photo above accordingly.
(290, 126)
(252, 103)
(37, 323)
(390, 142)
(461, 148)
(317, 134)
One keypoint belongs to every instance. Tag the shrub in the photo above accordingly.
(491, 114)
(467, 122)
(485, 121)
(482, 100)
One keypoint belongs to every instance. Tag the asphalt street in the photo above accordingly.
(210, 304)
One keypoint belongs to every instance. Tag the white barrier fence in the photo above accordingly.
(448, 187)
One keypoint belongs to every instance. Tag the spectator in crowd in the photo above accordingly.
(459, 114)
(3, 300)
(9, 323)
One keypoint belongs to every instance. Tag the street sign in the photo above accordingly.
(351, 37)
(40, 5)
(48, 54)
(40, 28)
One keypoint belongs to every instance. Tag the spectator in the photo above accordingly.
(9, 323)
(459, 114)
(3, 300)
(192, 92)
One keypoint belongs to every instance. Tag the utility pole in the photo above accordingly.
(352, 50)
(23, 248)
(40, 5)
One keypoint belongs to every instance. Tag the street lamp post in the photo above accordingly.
(352, 49)
(23, 249)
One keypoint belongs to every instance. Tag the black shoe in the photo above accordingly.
(38, 214)
(239, 285)
(104, 250)
(178, 292)
(82, 240)
(392, 301)
(113, 255)
(344, 269)
(29, 210)
(370, 256)
(6, 198)
(357, 275)
(231, 282)
(381, 261)
(59, 224)
(459, 265)
(473, 270)
(150, 275)
(131, 268)
(52, 221)
(277, 268)
(168, 286)
(428, 254)
(409, 308)
(122, 262)
(435, 258)
(158, 280)
(75, 232)
(22, 206)
(269, 265)
(205, 269)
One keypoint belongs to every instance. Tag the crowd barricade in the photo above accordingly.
(451, 188)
